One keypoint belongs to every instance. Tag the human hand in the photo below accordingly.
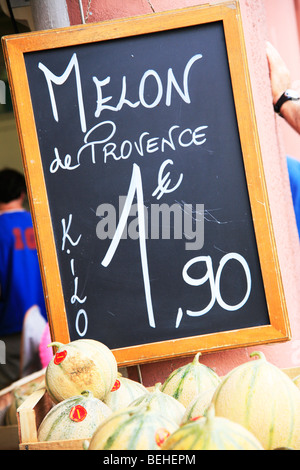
(279, 73)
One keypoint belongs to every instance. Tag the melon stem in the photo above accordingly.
(196, 358)
(55, 344)
(259, 354)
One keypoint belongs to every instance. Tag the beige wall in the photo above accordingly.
(10, 155)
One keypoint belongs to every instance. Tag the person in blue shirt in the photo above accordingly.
(286, 101)
(294, 175)
(20, 279)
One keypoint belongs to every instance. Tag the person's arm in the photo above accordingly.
(280, 82)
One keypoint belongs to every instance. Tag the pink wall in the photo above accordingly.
(107, 9)
(297, 8)
(262, 20)
(282, 22)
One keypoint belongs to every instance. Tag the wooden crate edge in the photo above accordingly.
(31, 413)
(69, 444)
(9, 439)
(292, 372)
(23, 381)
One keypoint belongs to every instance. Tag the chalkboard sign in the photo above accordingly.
(146, 184)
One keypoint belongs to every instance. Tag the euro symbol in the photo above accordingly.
(164, 182)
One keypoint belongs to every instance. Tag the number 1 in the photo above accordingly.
(134, 187)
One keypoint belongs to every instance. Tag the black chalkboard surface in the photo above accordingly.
(143, 164)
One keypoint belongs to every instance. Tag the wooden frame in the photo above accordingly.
(15, 47)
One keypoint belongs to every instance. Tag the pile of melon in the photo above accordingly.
(255, 406)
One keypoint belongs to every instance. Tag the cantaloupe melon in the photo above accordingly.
(162, 403)
(80, 365)
(19, 395)
(134, 428)
(211, 433)
(186, 382)
(74, 418)
(198, 407)
(264, 400)
(123, 393)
